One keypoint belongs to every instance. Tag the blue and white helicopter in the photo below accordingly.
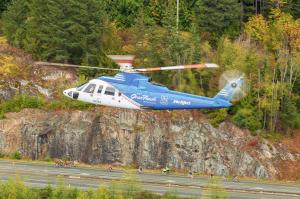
(129, 88)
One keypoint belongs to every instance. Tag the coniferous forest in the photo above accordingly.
(261, 38)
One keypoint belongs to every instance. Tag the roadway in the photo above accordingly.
(40, 175)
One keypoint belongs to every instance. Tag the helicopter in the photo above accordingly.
(131, 89)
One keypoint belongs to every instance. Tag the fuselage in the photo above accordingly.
(135, 91)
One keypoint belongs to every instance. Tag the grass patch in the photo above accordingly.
(128, 187)
(215, 189)
(47, 158)
(19, 102)
(66, 103)
(272, 136)
(16, 156)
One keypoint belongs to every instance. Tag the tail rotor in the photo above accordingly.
(230, 76)
(233, 85)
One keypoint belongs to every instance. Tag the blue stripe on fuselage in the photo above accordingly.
(169, 99)
(137, 88)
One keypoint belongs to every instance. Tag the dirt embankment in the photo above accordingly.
(290, 170)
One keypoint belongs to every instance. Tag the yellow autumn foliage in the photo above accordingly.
(3, 40)
(282, 30)
(8, 67)
(287, 27)
(258, 28)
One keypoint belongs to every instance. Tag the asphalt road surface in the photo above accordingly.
(40, 175)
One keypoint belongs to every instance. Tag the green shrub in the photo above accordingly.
(64, 103)
(61, 191)
(44, 192)
(146, 195)
(15, 189)
(2, 155)
(16, 155)
(170, 195)
(248, 118)
(47, 158)
(215, 189)
(19, 102)
(1, 114)
(289, 115)
(272, 136)
(102, 193)
(217, 116)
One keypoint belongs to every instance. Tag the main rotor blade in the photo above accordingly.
(72, 65)
(179, 67)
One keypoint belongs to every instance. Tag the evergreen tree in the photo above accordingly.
(74, 26)
(219, 17)
(3, 5)
(159, 11)
(14, 22)
(292, 7)
(164, 13)
(248, 9)
(289, 114)
(68, 31)
(124, 12)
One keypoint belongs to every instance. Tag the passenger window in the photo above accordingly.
(100, 89)
(90, 88)
(109, 91)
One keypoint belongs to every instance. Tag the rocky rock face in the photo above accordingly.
(180, 139)
(46, 83)
(31, 79)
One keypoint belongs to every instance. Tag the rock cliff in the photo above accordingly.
(153, 139)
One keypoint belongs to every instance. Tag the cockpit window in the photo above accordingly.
(109, 91)
(90, 88)
(100, 89)
(79, 88)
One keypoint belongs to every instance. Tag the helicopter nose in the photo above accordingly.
(68, 93)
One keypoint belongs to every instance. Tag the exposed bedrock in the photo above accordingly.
(153, 139)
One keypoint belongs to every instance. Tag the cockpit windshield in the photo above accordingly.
(79, 88)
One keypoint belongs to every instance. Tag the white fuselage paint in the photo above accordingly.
(117, 99)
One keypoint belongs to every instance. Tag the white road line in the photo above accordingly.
(74, 177)
(258, 188)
